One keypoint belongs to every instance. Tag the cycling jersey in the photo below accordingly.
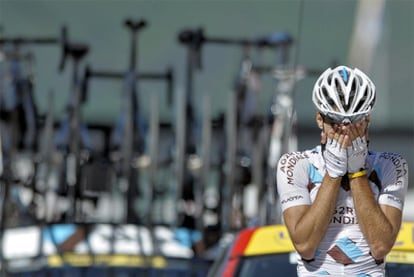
(343, 250)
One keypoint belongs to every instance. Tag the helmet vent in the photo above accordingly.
(327, 97)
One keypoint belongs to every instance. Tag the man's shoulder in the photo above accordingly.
(386, 162)
(384, 156)
(303, 153)
(304, 157)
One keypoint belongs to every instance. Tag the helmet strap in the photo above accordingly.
(323, 145)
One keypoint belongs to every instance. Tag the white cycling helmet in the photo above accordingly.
(343, 94)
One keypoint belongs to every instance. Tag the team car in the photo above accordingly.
(267, 250)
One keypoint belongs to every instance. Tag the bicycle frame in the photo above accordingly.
(22, 124)
(282, 135)
(119, 129)
(73, 134)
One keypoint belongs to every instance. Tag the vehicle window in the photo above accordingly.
(266, 265)
(114, 271)
(400, 270)
(219, 263)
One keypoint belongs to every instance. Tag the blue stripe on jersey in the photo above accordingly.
(377, 169)
(349, 248)
(314, 175)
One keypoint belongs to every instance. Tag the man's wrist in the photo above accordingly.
(333, 179)
(362, 172)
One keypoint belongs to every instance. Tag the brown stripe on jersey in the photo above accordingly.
(339, 256)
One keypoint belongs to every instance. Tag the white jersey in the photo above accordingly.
(343, 251)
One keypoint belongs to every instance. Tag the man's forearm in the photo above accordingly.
(376, 227)
(311, 227)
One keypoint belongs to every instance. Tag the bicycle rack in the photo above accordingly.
(194, 39)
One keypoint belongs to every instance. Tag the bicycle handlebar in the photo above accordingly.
(197, 38)
(76, 50)
(17, 41)
(263, 42)
(34, 40)
(168, 76)
(22, 40)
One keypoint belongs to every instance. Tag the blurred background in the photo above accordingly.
(319, 39)
(375, 36)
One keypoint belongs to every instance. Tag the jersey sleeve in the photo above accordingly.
(394, 172)
(292, 180)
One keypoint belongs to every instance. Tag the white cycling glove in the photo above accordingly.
(357, 154)
(336, 160)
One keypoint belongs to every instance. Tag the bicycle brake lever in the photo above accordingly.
(64, 47)
(170, 88)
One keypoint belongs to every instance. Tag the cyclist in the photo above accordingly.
(342, 203)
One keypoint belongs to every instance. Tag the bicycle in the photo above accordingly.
(108, 154)
(72, 139)
(19, 132)
(236, 124)
(279, 134)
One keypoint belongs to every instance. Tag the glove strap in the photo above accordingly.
(357, 174)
